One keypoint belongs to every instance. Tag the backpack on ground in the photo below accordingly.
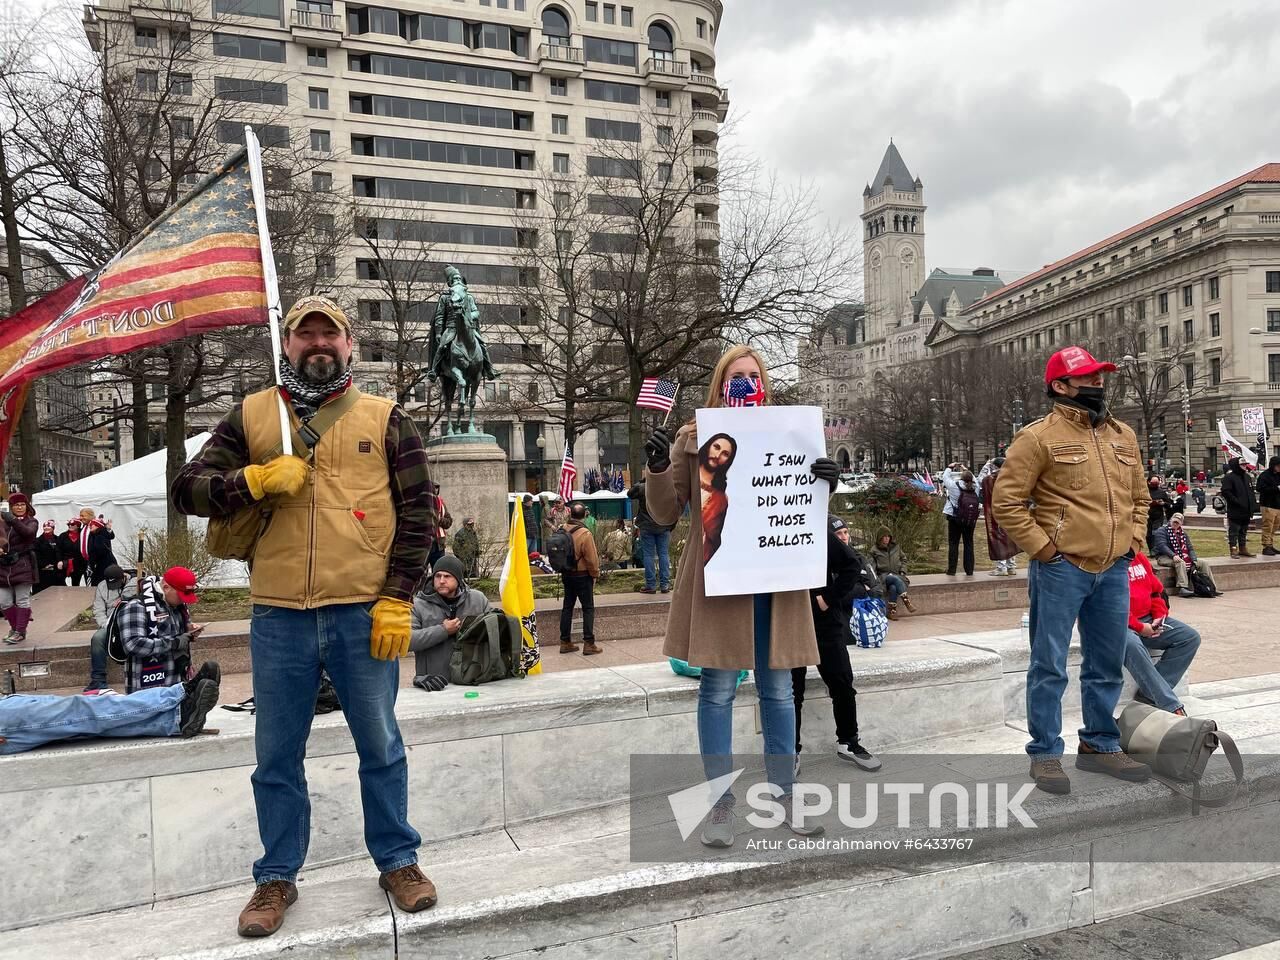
(967, 505)
(487, 648)
(1177, 749)
(1201, 585)
(560, 552)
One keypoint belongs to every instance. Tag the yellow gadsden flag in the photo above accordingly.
(516, 589)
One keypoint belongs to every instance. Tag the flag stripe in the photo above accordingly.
(165, 254)
(213, 256)
(184, 292)
(196, 276)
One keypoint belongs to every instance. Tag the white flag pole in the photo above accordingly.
(268, 276)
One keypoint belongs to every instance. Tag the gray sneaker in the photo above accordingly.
(858, 754)
(808, 830)
(718, 831)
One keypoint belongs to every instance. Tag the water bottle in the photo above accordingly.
(1026, 629)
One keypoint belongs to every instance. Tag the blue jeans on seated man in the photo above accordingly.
(655, 548)
(29, 721)
(289, 647)
(1061, 593)
(98, 660)
(894, 587)
(1179, 642)
(716, 691)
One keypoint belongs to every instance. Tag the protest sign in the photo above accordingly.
(1254, 421)
(764, 515)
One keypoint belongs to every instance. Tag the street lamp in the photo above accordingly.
(1130, 359)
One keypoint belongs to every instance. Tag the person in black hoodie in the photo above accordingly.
(1269, 497)
(1237, 491)
(849, 577)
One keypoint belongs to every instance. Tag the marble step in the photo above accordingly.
(567, 887)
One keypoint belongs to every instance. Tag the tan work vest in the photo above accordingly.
(316, 549)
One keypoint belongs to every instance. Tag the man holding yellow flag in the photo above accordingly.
(516, 589)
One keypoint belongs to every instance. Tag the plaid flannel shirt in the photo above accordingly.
(150, 643)
(213, 485)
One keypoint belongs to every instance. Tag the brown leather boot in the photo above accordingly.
(1244, 551)
(906, 602)
(410, 888)
(591, 647)
(568, 646)
(1119, 764)
(891, 611)
(263, 915)
(1235, 553)
(1049, 775)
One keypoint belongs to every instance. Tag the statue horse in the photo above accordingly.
(463, 376)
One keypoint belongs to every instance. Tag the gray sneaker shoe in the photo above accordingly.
(808, 830)
(858, 754)
(718, 831)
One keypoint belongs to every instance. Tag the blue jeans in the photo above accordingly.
(1060, 593)
(29, 721)
(716, 691)
(655, 547)
(289, 647)
(894, 587)
(1179, 641)
(98, 659)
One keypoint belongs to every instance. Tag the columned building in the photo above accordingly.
(1192, 294)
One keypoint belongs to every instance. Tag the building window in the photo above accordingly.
(560, 124)
(1273, 368)
(145, 37)
(561, 201)
(1142, 341)
(1188, 331)
(320, 141)
(1066, 332)
(610, 13)
(662, 99)
(628, 17)
(1189, 374)
(555, 27)
(1273, 321)
(321, 182)
(1213, 288)
(1140, 310)
(559, 87)
(1273, 281)
(1050, 333)
(559, 163)
(664, 136)
(146, 81)
(664, 173)
(317, 98)
(526, 199)
(248, 48)
(1215, 371)
(661, 44)
(702, 29)
(1035, 342)
(593, 12)
(184, 128)
(326, 267)
(1186, 296)
(1163, 300)
(1084, 326)
(317, 57)
(267, 9)
(1164, 336)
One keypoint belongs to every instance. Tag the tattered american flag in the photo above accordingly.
(741, 392)
(658, 394)
(568, 474)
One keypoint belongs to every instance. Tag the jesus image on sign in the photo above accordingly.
(763, 512)
(715, 457)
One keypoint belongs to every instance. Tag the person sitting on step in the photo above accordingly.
(440, 608)
(1151, 629)
(179, 710)
(891, 567)
(1172, 548)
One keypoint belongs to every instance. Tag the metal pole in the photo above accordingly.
(1186, 426)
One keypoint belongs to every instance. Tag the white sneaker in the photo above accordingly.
(858, 754)
(718, 831)
(808, 830)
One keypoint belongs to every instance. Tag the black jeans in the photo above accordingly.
(837, 674)
(957, 531)
(1237, 530)
(578, 587)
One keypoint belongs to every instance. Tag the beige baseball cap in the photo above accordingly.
(321, 305)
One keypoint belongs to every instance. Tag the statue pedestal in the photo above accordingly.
(472, 472)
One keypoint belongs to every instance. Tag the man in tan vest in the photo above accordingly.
(350, 520)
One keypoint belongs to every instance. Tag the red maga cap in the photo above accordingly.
(183, 581)
(1074, 362)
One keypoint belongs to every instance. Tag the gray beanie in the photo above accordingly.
(449, 564)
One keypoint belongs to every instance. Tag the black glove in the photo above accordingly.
(658, 449)
(824, 468)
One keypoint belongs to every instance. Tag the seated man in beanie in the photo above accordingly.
(178, 710)
(438, 613)
(1172, 547)
(113, 588)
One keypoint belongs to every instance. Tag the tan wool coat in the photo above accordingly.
(719, 632)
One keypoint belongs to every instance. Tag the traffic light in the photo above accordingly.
(1164, 446)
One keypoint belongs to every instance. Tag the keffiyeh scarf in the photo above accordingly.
(310, 395)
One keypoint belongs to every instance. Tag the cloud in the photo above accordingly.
(1037, 129)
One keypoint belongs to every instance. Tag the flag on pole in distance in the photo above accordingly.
(1234, 448)
(515, 587)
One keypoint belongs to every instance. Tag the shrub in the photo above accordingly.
(913, 516)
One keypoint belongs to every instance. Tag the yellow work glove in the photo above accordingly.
(281, 475)
(389, 639)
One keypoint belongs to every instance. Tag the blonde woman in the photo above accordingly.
(769, 633)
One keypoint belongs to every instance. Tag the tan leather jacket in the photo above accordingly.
(1078, 488)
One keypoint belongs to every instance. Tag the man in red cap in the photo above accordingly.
(1072, 494)
(156, 630)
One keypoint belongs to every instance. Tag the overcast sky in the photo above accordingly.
(1037, 126)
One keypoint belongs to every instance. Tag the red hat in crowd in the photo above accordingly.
(1074, 362)
(184, 581)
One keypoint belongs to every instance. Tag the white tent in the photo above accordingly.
(133, 496)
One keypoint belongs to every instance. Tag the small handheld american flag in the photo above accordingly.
(741, 392)
(568, 474)
(658, 394)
